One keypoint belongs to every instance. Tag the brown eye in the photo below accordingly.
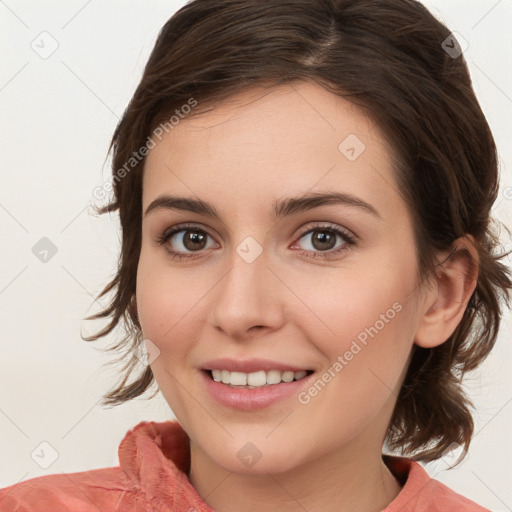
(323, 241)
(183, 240)
(194, 240)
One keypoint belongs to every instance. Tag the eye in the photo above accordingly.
(194, 239)
(323, 243)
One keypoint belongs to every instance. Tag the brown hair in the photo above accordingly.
(390, 58)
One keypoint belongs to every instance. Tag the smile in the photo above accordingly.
(248, 397)
(256, 379)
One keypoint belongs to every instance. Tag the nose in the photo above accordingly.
(247, 299)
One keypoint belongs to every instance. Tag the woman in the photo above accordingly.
(332, 169)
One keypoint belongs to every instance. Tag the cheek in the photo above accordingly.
(365, 358)
(162, 301)
(352, 305)
(167, 314)
(362, 322)
(171, 305)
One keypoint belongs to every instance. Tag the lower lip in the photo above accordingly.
(246, 399)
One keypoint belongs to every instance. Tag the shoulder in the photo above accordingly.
(421, 493)
(445, 499)
(154, 459)
(86, 491)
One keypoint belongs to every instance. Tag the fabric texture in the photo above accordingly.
(154, 461)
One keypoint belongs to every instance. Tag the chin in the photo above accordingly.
(247, 458)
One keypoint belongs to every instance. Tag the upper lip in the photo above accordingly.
(250, 365)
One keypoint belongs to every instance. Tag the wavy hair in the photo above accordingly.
(403, 67)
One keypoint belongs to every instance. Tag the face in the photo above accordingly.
(324, 287)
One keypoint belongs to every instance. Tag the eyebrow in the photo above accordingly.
(281, 208)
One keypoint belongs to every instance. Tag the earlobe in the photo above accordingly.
(445, 303)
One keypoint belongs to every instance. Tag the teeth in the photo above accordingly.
(273, 377)
(256, 379)
(238, 378)
(287, 376)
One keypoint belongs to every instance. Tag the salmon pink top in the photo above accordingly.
(154, 461)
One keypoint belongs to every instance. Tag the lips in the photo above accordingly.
(251, 398)
(235, 395)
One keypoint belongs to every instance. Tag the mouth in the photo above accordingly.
(255, 380)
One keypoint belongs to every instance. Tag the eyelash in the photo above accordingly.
(349, 240)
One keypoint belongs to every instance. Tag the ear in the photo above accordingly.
(447, 300)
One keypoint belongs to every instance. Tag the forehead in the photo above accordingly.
(286, 140)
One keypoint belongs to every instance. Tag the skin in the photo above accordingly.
(241, 156)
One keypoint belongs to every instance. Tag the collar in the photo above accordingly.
(156, 458)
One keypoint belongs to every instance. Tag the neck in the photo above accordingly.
(336, 482)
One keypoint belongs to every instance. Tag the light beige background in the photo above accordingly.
(57, 116)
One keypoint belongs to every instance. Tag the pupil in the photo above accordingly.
(324, 237)
(194, 238)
